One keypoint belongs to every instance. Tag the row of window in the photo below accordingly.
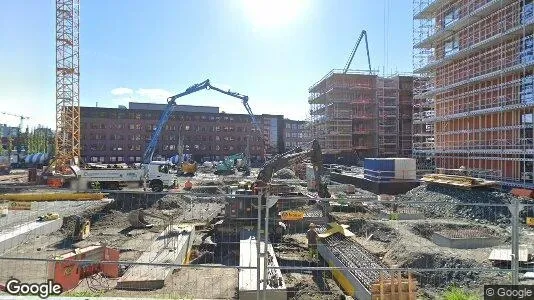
(294, 126)
(152, 127)
(291, 145)
(299, 135)
(137, 159)
(156, 115)
(204, 138)
(165, 147)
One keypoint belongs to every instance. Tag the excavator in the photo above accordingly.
(232, 163)
(241, 210)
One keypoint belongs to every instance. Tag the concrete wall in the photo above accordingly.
(465, 243)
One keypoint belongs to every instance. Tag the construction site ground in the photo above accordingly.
(397, 243)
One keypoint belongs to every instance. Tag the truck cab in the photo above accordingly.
(160, 175)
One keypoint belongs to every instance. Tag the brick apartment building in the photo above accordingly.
(476, 101)
(112, 135)
(356, 115)
(295, 134)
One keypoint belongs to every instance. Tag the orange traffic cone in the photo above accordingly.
(188, 185)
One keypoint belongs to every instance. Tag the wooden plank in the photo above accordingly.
(171, 246)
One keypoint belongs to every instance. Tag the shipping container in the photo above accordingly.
(405, 169)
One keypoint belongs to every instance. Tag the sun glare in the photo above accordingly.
(273, 13)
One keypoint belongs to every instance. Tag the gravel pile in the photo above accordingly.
(443, 278)
(285, 174)
(448, 197)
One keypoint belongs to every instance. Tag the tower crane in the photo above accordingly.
(347, 65)
(19, 134)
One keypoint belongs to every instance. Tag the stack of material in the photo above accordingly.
(389, 169)
(360, 273)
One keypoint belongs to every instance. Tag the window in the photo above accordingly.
(94, 159)
(112, 159)
(527, 12)
(527, 49)
(102, 159)
(131, 159)
(218, 148)
(288, 126)
(137, 147)
(288, 134)
(120, 158)
(526, 119)
(527, 90)
(452, 16)
(187, 127)
(172, 147)
(217, 138)
(138, 158)
(132, 126)
(452, 45)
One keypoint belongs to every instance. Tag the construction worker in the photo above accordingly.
(312, 236)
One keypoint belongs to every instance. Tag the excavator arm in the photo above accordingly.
(296, 156)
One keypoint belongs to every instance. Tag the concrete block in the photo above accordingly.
(465, 243)
(19, 234)
(171, 246)
(248, 277)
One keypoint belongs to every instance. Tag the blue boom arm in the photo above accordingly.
(171, 103)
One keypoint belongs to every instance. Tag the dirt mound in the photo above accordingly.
(442, 278)
(448, 199)
(207, 190)
(374, 230)
(426, 229)
(285, 174)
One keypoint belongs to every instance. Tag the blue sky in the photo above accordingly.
(138, 50)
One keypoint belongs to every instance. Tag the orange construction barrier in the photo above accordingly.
(54, 182)
(68, 272)
(523, 193)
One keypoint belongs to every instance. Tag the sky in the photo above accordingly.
(145, 51)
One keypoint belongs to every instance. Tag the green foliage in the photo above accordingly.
(456, 293)
(393, 216)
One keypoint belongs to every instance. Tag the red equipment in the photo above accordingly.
(68, 272)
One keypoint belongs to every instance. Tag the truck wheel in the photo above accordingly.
(156, 186)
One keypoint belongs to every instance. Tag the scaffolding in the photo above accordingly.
(362, 115)
(341, 101)
(473, 101)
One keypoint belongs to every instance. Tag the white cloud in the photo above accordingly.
(121, 91)
(153, 94)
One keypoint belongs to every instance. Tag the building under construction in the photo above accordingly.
(357, 114)
(477, 57)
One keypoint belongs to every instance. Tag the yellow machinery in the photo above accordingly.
(189, 168)
(40, 197)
